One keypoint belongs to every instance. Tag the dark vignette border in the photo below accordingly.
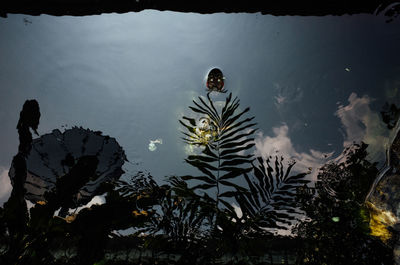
(390, 8)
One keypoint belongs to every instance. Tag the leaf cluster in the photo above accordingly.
(272, 197)
(223, 139)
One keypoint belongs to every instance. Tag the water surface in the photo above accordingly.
(315, 84)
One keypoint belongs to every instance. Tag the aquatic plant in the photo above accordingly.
(172, 222)
(223, 139)
(272, 200)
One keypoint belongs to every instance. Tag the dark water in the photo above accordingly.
(315, 85)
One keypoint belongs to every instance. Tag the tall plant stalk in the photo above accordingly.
(223, 135)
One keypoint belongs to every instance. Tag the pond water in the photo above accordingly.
(314, 84)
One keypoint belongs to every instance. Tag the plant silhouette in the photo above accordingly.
(222, 135)
(184, 214)
(15, 214)
(272, 202)
(338, 227)
(181, 221)
(390, 115)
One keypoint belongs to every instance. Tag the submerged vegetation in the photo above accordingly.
(233, 212)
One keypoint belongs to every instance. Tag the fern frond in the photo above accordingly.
(224, 134)
(272, 199)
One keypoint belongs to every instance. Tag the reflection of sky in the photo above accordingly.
(358, 123)
(5, 186)
(133, 75)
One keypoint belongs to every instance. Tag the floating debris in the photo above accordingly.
(152, 144)
(206, 131)
(215, 80)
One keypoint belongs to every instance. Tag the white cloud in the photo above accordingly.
(281, 144)
(5, 185)
(97, 200)
(360, 123)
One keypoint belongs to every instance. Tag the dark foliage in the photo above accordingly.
(390, 115)
(15, 216)
(271, 202)
(180, 224)
(338, 229)
(221, 134)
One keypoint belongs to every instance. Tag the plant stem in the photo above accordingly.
(219, 165)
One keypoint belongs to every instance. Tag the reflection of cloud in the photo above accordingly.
(238, 210)
(5, 185)
(281, 144)
(152, 144)
(287, 95)
(362, 124)
(96, 200)
(280, 99)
